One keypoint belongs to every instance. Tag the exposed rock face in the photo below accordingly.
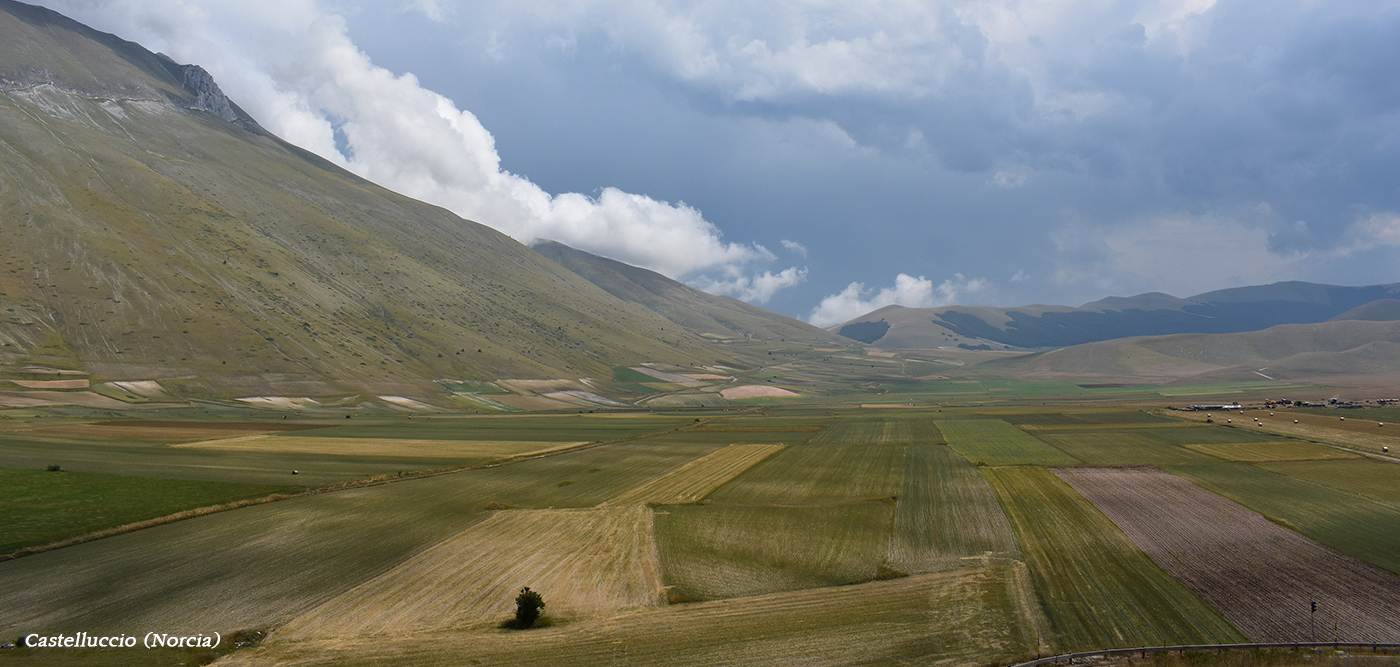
(208, 97)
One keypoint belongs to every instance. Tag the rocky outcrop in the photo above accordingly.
(208, 97)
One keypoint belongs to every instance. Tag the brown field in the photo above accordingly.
(951, 619)
(589, 562)
(1256, 574)
(692, 481)
(40, 399)
(489, 449)
(1272, 451)
(146, 433)
(52, 384)
(755, 391)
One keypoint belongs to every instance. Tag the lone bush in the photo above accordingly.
(527, 608)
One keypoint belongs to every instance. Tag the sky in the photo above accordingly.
(829, 157)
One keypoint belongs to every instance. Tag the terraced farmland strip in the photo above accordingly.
(1098, 589)
(946, 512)
(1257, 574)
(807, 474)
(413, 448)
(697, 479)
(717, 551)
(1377, 480)
(1350, 523)
(1119, 447)
(965, 617)
(585, 562)
(992, 442)
(1287, 450)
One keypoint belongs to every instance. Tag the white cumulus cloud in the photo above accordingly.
(907, 291)
(758, 288)
(292, 65)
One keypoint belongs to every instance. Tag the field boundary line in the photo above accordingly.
(1144, 650)
(317, 490)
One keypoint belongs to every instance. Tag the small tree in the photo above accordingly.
(527, 608)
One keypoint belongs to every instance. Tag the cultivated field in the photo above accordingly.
(697, 479)
(1098, 589)
(1352, 524)
(398, 448)
(814, 474)
(994, 442)
(1361, 434)
(946, 515)
(964, 617)
(1258, 575)
(720, 551)
(1120, 447)
(1377, 480)
(591, 562)
(1288, 450)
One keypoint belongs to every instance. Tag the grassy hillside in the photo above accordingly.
(688, 307)
(144, 239)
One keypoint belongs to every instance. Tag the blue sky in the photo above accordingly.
(825, 158)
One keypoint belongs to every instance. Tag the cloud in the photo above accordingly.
(758, 288)
(293, 66)
(1180, 254)
(1374, 231)
(907, 291)
(795, 247)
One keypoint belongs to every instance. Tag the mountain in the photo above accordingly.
(1039, 326)
(1285, 352)
(701, 312)
(152, 229)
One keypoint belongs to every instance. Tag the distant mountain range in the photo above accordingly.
(1030, 327)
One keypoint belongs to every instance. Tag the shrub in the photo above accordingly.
(527, 608)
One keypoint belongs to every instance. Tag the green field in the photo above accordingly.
(41, 506)
(946, 513)
(1098, 589)
(1120, 447)
(994, 442)
(713, 551)
(1377, 480)
(814, 474)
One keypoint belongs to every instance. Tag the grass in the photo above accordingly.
(946, 512)
(38, 506)
(717, 551)
(1120, 447)
(1098, 589)
(814, 474)
(1377, 480)
(1272, 451)
(996, 443)
(1349, 523)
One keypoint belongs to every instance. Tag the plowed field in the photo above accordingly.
(1257, 574)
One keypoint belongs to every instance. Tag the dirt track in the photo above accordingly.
(1258, 575)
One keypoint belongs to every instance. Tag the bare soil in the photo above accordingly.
(1256, 574)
